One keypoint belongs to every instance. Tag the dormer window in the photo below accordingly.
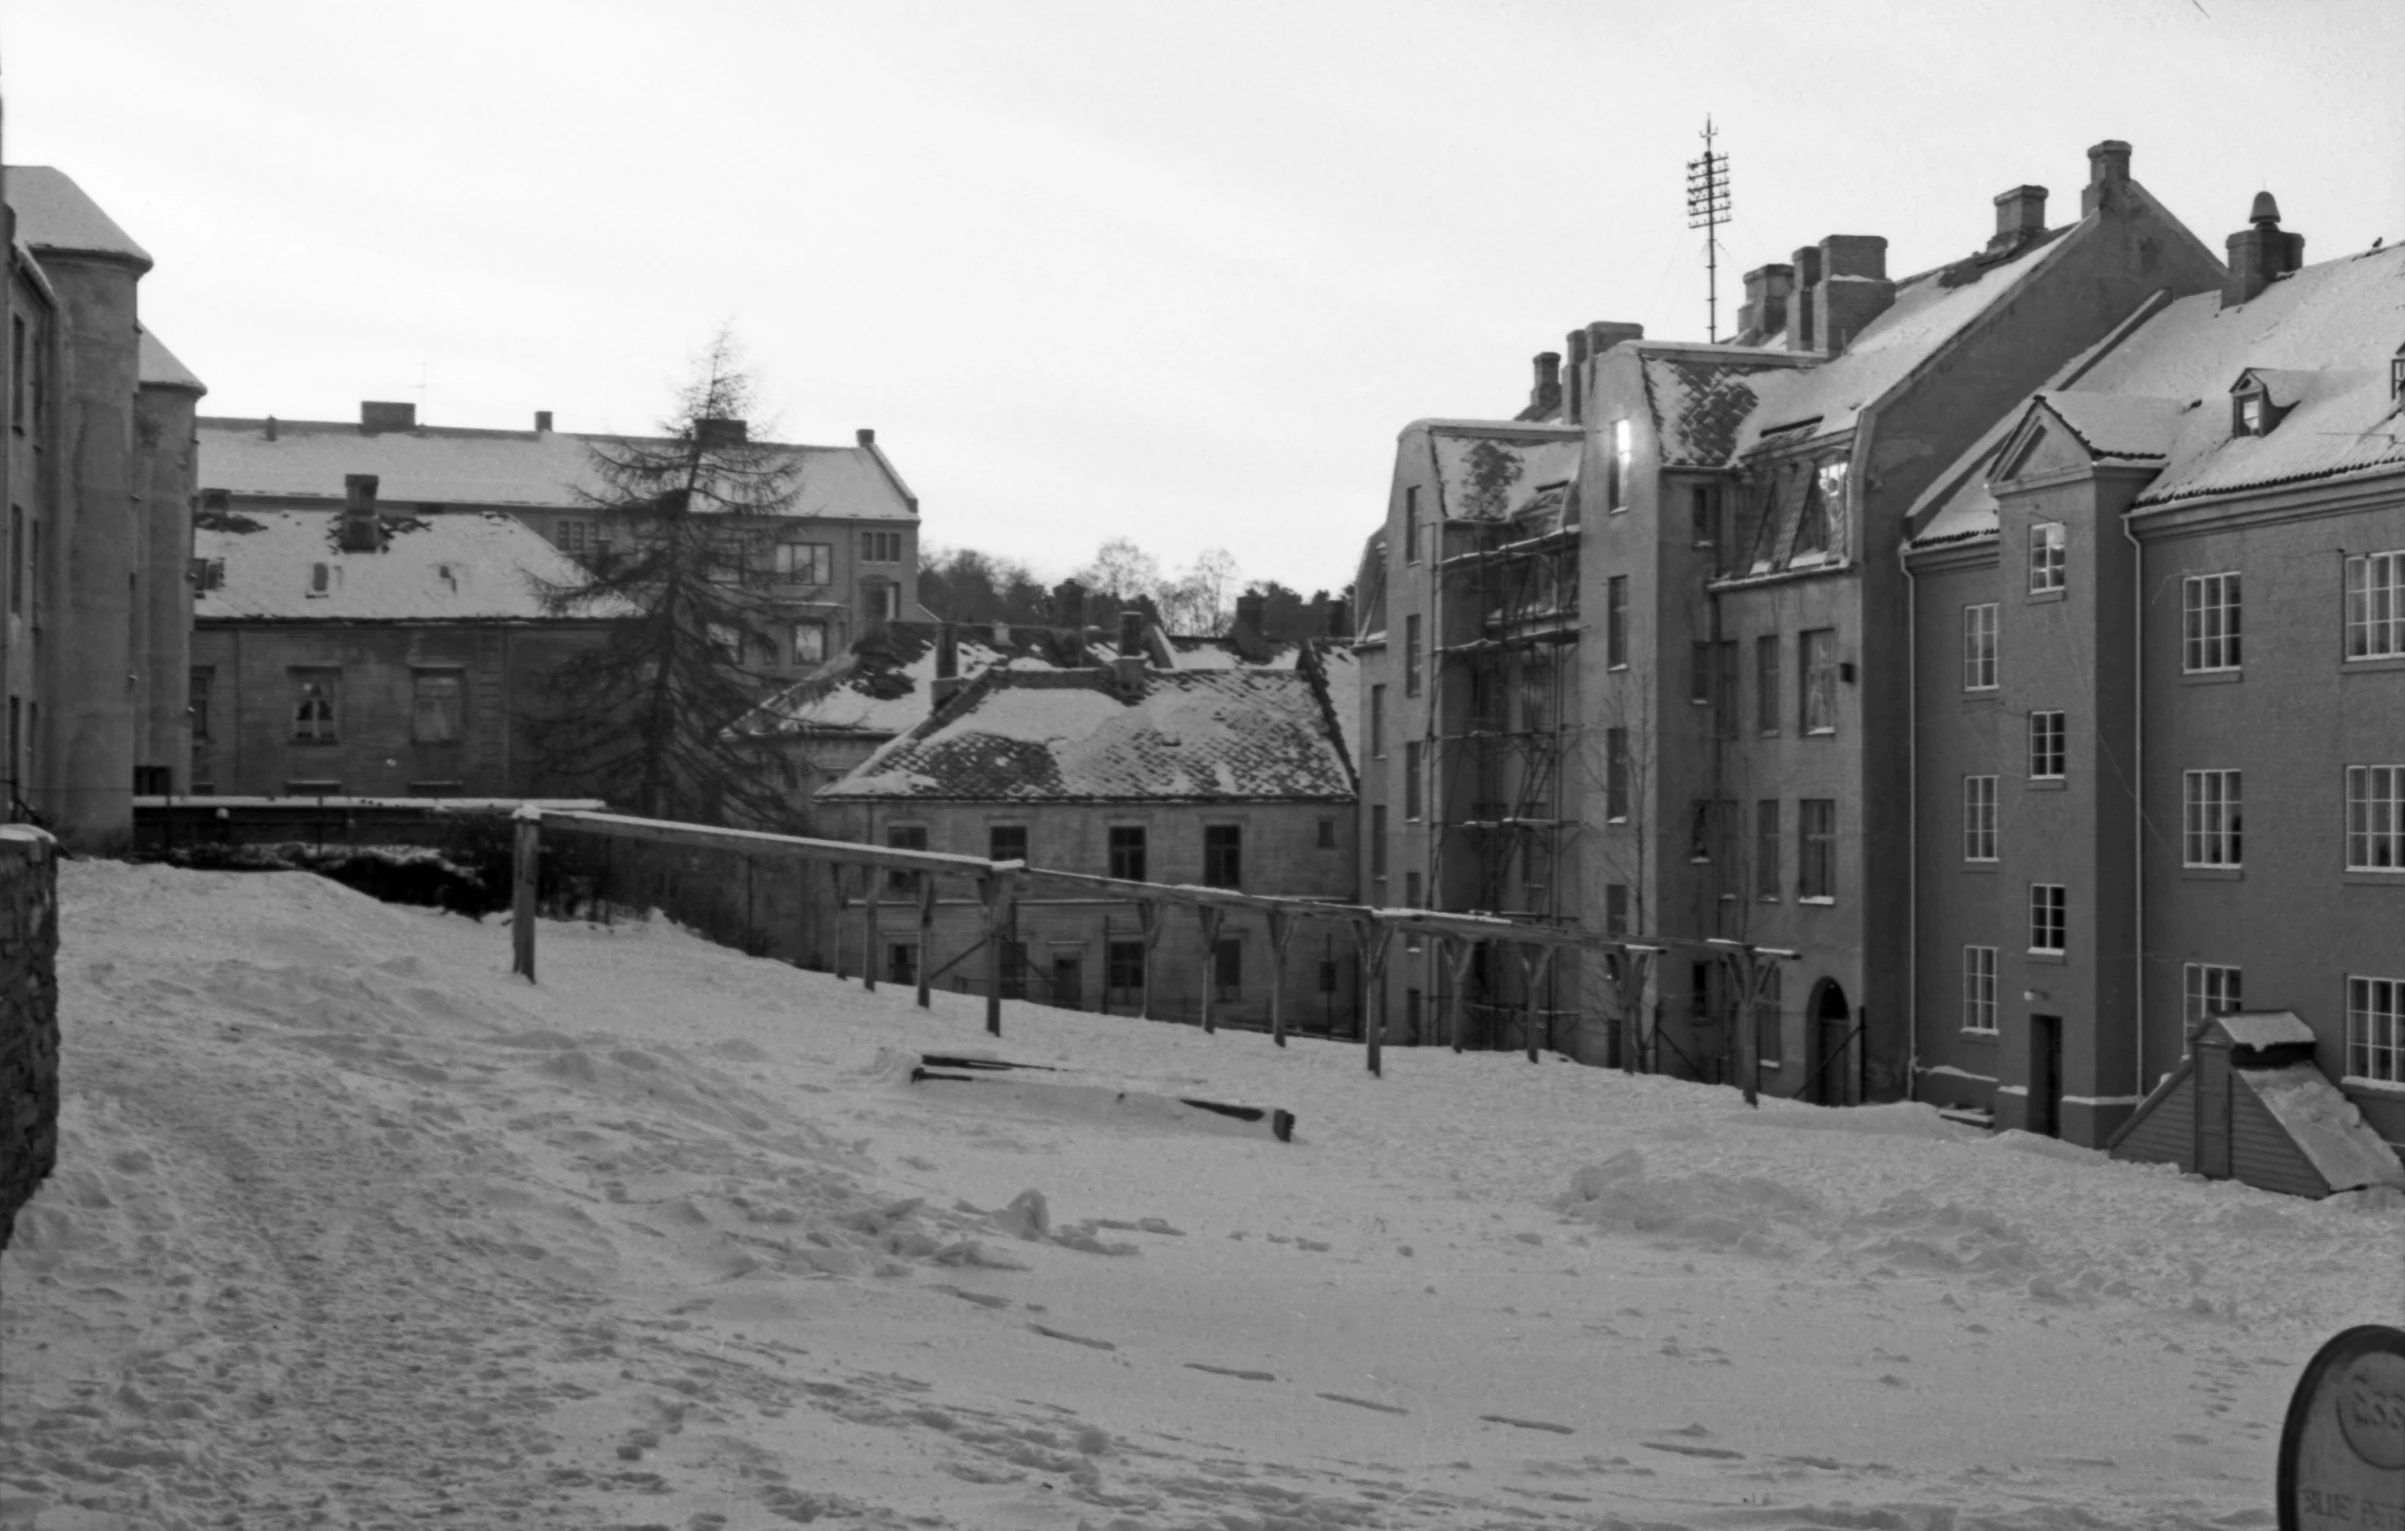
(321, 580)
(2396, 374)
(2253, 413)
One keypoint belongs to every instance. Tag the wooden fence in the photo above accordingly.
(998, 885)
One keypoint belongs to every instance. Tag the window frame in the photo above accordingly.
(2049, 557)
(999, 834)
(326, 729)
(1766, 685)
(457, 677)
(2049, 914)
(2375, 818)
(1979, 990)
(2212, 818)
(200, 688)
(2212, 608)
(1413, 668)
(1378, 721)
(2380, 1000)
(880, 547)
(1223, 856)
(1126, 851)
(904, 837)
(1411, 523)
(1616, 773)
(1622, 465)
(1979, 820)
(2371, 633)
(1615, 622)
(1227, 969)
(1767, 840)
(2048, 743)
(1378, 842)
(1414, 795)
(1981, 658)
(2208, 989)
(1120, 958)
(1816, 850)
(1816, 680)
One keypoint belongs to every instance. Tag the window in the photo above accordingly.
(1327, 834)
(1620, 469)
(1708, 840)
(1979, 647)
(1699, 673)
(208, 574)
(1227, 968)
(1377, 722)
(435, 706)
(1615, 774)
(316, 701)
(1411, 523)
(2049, 916)
(2209, 623)
(1377, 839)
(1812, 522)
(1818, 658)
(1816, 846)
(1724, 690)
(1769, 1039)
(880, 599)
(322, 580)
(904, 837)
(902, 963)
(2376, 818)
(1411, 655)
(2046, 555)
(1006, 842)
(196, 705)
(880, 547)
(1766, 684)
(2376, 606)
(2376, 1029)
(2206, 989)
(2046, 746)
(1123, 967)
(1703, 513)
(2210, 819)
(2250, 414)
(16, 372)
(806, 563)
(16, 559)
(809, 642)
(1411, 780)
(1223, 855)
(1615, 622)
(1411, 897)
(1127, 851)
(1979, 988)
(572, 537)
(1979, 818)
(1766, 849)
(1615, 909)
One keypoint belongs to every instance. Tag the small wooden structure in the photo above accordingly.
(2249, 1103)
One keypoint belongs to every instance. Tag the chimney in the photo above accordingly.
(2108, 172)
(1574, 403)
(1340, 619)
(1766, 292)
(1799, 312)
(271, 427)
(381, 415)
(1546, 396)
(1069, 610)
(866, 436)
(1603, 334)
(542, 422)
(717, 431)
(1250, 633)
(361, 531)
(1128, 668)
(947, 665)
(2020, 218)
(1853, 289)
(2260, 253)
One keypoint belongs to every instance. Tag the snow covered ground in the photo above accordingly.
(354, 1229)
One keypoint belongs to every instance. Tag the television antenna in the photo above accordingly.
(1708, 209)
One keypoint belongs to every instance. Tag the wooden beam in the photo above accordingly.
(1209, 915)
(786, 847)
(869, 878)
(1535, 963)
(527, 861)
(997, 889)
(1148, 916)
(1457, 953)
(1372, 935)
(1281, 931)
(926, 963)
(842, 902)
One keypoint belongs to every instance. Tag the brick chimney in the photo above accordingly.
(1799, 311)
(1250, 633)
(1853, 288)
(1069, 611)
(1545, 396)
(2108, 174)
(866, 436)
(1128, 668)
(947, 665)
(1766, 292)
(2260, 253)
(1603, 334)
(362, 531)
(1574, 383)
(383, 415)
(1340, 619)
(542, 422)
(716, 431)
(2020, 218)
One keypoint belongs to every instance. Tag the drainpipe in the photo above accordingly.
(1912, 822)
(2137, 588)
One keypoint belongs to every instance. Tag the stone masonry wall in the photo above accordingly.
(28, 1017)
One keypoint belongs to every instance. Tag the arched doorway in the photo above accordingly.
(1827, 1020)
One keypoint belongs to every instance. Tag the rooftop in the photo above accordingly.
(435, 568)
(54, 216)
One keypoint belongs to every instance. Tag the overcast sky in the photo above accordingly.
(1178, 272)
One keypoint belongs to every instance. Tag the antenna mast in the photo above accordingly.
(1708, 209)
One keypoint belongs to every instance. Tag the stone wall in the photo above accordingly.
(28, 1017)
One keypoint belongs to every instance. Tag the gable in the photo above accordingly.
(2044, 446)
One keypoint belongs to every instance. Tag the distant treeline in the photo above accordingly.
(966, 585)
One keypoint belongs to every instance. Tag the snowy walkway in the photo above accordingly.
(355, 1230)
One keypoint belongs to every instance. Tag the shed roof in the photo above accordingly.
(54, 216)
(450, 465)
(1233, 735)
(453, 567)
(2265, 1028)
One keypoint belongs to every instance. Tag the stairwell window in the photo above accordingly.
(1979, 989)
(2049, 917)
(880, 547)
(2376, 606)
(2046, 557)
(2210, 819)
(1766, 849)
(1615, 622)
(1411, 523)
(1378, 842)
(1615, 775)
(2209, 623)
(1766, 684)
(1979, 818)
(2046, 752)
(2376, 1030)
(1412, 766)
(2376, 818)
(1979, 647)
(1621, 466)
(1816, 848)
(1411, 655)
(1818, 656)
(1615, 909)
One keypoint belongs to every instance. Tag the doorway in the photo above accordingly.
(2046, 1076)
(1068, 983)
(1827, 1021)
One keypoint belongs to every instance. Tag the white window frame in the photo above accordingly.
(2212, 818)
(2208, 988)
(1624, 461)
(2375, 1030)
(2375, 606)
(2048, 555)
(1979, 990)
(2049, 915)
(1979, 818)
(2211, 607)
(2048, 735)
(2375, 829)
(1979, 646)
(1816, 670)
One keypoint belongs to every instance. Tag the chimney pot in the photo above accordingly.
(1853, 288)
(866, 436)
(947, 653)
(1546, 395)
(1574, 387)
(361, 530)
(1340, 623)
(1799, 311)
(1767, 289)
(1127, 669)
(720, 432)
(2108, 171)
(542, 421)
(2020, 213)
(2260, 253)
(386, 415)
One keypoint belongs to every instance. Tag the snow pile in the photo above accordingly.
(355, 1228)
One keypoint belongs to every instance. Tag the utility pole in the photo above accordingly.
(1708, 209)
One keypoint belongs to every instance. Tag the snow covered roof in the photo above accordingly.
(462, 566)
(2327, 1128)
(449, 465)
(1070, 736)
(160, 369)
(2110, 425)
(2265, 1028)
(1495, 469)
(54, 216)
(1702, 395)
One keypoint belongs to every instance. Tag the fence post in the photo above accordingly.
(995, 888)
(1148, 916)
(527, 856)
(1536, 962)
(1456, 952)
(835, 925)
(1372, 936)
(926, 936)
(1281, 931)
(869, 878)
(1209, 915)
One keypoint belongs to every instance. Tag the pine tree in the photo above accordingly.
(640, 719)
